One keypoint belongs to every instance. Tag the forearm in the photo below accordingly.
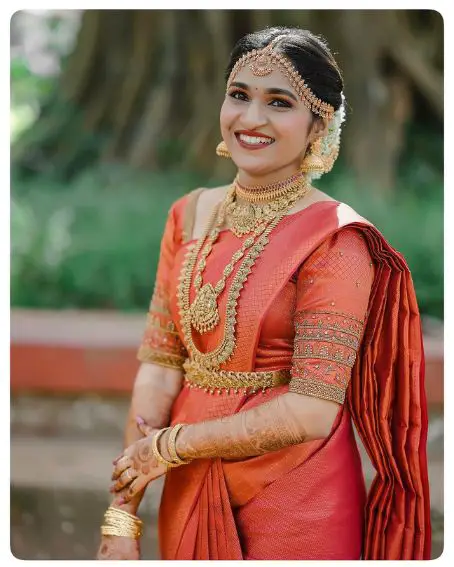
(154, 393)
(286, 420)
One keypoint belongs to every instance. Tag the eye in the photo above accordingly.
(280, 103)
(238, 95)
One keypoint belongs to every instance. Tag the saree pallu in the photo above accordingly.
(309, 501)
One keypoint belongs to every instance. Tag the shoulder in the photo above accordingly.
(350, 239)
(351, 235)
(184, 210)
(345, 213)
(207, 198)
(344, 243)
(345, 255)
(201, 197)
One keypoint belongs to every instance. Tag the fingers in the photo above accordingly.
(124, 479)
(143, 427)
(133, 489)
(121, 464)
(138, 483)
(121, 456)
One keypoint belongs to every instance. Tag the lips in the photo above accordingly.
(253, 140)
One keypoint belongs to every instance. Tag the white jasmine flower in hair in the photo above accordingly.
(331, 142)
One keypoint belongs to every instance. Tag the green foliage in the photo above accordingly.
(28, 92)
(95, 243)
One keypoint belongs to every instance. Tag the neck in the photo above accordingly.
(251, 180)
(272, 192)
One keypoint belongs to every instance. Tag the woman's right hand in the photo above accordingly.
(118, 547)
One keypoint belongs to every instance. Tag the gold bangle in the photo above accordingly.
(121, 532)
(109, 521)
(121, 523)
(172, 445)
(117, 512)
(156, 453)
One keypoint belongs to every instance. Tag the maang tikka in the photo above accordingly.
(263, 61)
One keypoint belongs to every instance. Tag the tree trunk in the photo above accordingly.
(144, 88)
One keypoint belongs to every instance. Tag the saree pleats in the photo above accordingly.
(195, 516)
(206, 529)
(215, 528)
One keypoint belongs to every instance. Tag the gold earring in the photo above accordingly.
(222, 150)
(313, 161)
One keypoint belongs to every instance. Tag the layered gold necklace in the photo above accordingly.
(261, 204)
(262, 210)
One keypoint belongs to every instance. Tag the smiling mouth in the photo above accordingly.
(253, 142)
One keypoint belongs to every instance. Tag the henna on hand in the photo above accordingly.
(117, 547)
(142, 467)
(268, 427)
(154, 392)
(143, 458)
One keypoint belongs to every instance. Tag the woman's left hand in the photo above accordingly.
(135, 468)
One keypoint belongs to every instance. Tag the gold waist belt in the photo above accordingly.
(224, 381)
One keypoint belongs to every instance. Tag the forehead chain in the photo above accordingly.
(263, 62)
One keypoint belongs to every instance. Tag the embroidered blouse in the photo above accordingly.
(325, 302)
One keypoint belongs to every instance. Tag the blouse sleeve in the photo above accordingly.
(333, 289)
(161, 343)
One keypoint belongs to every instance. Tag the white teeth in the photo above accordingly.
(255, 140)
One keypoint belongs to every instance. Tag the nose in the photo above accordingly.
(253, 116)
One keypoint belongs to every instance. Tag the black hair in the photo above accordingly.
(309, 55)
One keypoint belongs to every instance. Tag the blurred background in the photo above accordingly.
(114, 115)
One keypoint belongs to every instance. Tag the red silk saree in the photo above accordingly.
(307, 501)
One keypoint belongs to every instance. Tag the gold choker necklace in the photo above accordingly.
(269, 192)
(262, 203)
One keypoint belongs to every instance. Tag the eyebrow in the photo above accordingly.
(267, 91)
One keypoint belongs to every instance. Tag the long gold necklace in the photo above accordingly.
(205, 313)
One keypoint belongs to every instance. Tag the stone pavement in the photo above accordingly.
(61, 454)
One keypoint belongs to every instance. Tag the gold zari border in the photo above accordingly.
(147, 354)
(317, 388)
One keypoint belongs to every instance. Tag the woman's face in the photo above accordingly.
(265, 126)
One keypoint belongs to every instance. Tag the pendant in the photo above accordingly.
(242, 219)
(204, 313)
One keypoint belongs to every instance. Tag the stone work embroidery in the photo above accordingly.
(161, 343)
(325, 350)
